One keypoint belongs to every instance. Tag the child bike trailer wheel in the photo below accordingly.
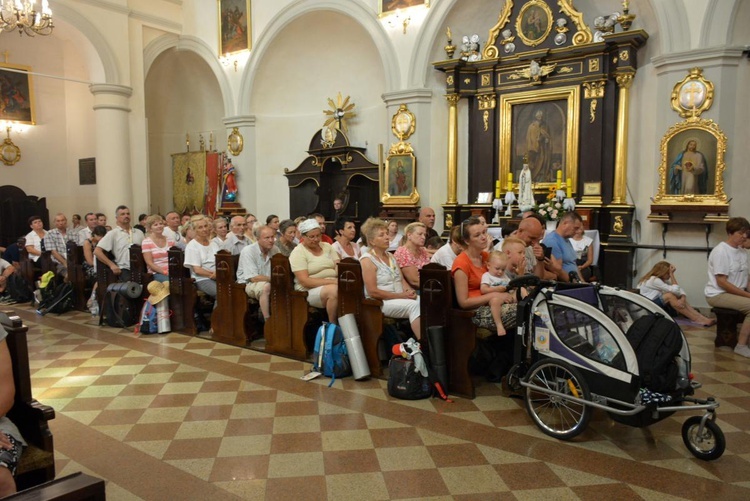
(703, 438)
(550, 386)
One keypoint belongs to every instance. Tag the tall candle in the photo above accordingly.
(569, 185)
(510, 182)
(497, 189)
(559, 179)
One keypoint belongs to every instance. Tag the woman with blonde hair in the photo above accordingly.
(200, 256)
(660, 286)
(412, 255)
(155, 247)
(383, 279)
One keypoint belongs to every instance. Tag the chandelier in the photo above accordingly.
(22, 15)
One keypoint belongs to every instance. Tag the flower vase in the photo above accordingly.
(551, 226)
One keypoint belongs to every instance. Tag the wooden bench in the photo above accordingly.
(438, 308)
(183, 294)
(285, 330)
(139, 272)
(37, 463)
(368, 313)
(76, 276)
(235, 318)
(727, 326)
(104, 277)
(74, 487)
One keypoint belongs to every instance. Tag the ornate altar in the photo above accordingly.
(334, 169)
(551, 88)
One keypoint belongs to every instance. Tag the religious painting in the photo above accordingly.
(388, 6)
(399, 182)
(540, 128)
(692, 164)
(16, 94)
(234, 26)
(534, 22)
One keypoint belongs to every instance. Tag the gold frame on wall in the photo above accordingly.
(566, 137)
(693, 90)
(19, 84)
(391, 195)
(248, 26)
(403, 123)
(711, 143)
(409, 4)
(235, 142)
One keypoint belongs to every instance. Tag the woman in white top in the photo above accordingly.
(584, 252)
(314, 266)
(200, 256)
(34, 238)
(345, 232)
(394, 236)
(728, 278)
(383, 279)
(221, 229)
(661, 287)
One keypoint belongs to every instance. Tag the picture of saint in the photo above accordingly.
(538, 146)
(392, 5)
(234, 26)
(688, 173)
(400, 177)
(15, 101)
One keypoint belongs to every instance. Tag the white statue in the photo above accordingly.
(525, 190)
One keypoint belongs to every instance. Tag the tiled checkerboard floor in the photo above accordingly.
(176, 417)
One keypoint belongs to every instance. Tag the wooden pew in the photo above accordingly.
(284, 331)
(139, 272)
(183, 295)
(369, 316)
(104, 277)
(235, 318)
(37, 463)
(437, 307)
(76, 276)
(74, 487)
(727, 326)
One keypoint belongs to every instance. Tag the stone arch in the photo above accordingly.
(717, 28)
(355, 10)
(112, 72)
(672, 20)
(420, 64)
(165, 42)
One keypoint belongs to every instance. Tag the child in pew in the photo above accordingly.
(495, 280)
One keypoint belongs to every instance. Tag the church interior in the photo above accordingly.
(446, 96)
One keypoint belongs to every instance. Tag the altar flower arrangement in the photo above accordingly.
(550, 211)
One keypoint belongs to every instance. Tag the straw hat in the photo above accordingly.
(158, 291)
(308, 225)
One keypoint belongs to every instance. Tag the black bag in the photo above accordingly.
(657, 341)
(19, 289)
(57, 297)
(120, 309)
(405, 382)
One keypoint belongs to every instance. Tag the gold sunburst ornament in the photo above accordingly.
(339, 112)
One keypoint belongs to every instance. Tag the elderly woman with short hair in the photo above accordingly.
(383, 279)
(200, 256)
(314, 266)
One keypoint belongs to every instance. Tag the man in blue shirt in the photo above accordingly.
(563, 260)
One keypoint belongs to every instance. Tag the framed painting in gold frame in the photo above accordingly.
(541, 126)
(235, 26)
(390, 6)
(17, 87)
(399, 179)
(692, 166)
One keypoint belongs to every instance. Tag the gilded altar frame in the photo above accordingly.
(560, 109)
(710, 143)
(398, 184)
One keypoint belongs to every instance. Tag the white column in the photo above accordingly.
(113, 172)
(247, 174)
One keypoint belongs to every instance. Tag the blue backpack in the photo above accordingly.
(330, 357)
(149, 323)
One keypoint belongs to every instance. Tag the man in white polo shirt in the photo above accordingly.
(254, 268)
(118, 242)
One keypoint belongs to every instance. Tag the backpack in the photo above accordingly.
(57, 296)
(330, 357)
(405, 382)
(119, 309)
(19, 289)
(149, 320)
(657, 340)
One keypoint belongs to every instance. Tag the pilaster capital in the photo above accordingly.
(111, 96)
(239, 121)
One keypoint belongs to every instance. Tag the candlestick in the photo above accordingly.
(497, 189)
(559, 179)
(569, 185)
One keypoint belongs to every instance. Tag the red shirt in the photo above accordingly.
(474, 273)
(325, 238)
